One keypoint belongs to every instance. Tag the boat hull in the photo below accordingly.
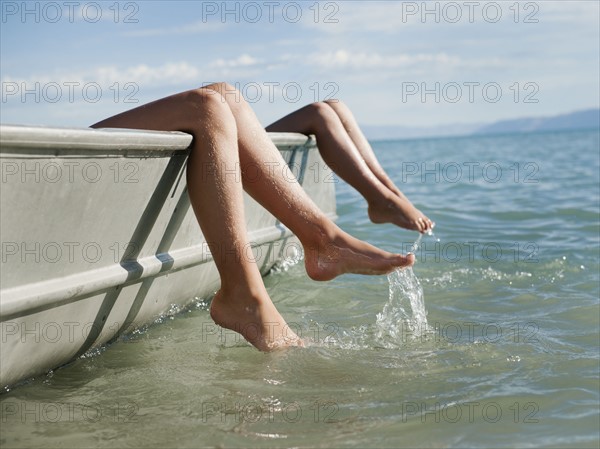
(99, 238)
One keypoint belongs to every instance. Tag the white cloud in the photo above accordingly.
(171, 73)
(346, 59)
(107, 75)
(241, 61)
(347, 62)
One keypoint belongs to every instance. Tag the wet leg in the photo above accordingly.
(242, 304)
(345, 149)
(329, 251)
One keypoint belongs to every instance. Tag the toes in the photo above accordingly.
(403, 261)
(424, 224)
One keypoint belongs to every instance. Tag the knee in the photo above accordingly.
(220, 87)
(203, 98)
(334, 102)
(322, 110)
(204, 106)
(206, 100)
(227, 92)
(339, 107)
(322, 114)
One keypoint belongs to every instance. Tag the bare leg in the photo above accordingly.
(222, 140)
(345, 149)
(242, 303)
(329, 251)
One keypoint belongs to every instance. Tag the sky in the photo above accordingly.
(72, 63)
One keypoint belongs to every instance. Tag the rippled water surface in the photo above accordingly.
(510, 356)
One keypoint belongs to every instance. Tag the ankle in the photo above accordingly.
(250, 288)
(383, 201)
(319, 234)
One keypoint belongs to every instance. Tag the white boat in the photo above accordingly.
(98, 236)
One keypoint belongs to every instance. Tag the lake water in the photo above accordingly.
(509, 358)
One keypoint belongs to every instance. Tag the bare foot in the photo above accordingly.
(254, 317)
(400, 211)
(346, 254)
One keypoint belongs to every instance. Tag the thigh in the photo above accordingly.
(299, 121)
(178, 112)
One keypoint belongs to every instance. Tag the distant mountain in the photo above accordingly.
(587, 119)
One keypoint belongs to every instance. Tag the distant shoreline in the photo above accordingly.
(486, 135)
(587, 119)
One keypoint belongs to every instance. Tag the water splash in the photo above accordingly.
(293, 257)
(404, 314)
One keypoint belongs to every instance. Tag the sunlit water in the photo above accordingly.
(508, 356)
